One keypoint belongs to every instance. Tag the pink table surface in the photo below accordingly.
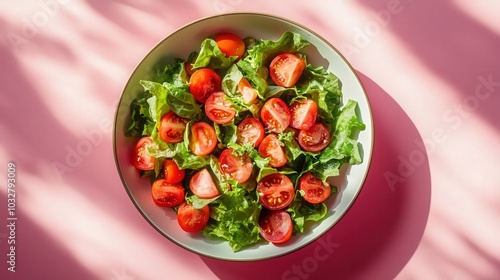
(430, 206)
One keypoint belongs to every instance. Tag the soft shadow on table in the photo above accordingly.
(383, 228)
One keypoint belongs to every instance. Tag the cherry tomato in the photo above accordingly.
(141, 159)
(191, 219)
(166, 194)
(276, 226)
(236, 167)
(203, 82)
(218, 109)
(188, 67)
(315, 138)
(202, 139)
(172, 127)
(304, 113)
(202, 184)
(230, 45)
(250, 130)
(276, 191)
(285, 69)
(315, 190)
(172, 173)
(275, 115)
(270, 148)
(246, 90)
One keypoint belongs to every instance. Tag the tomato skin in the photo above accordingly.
(140, 157)
(236, 167)
(285, 69)
(270, 147)
(203, 82)
(250, 130)
(172, 173)
(276, 191)
(304, 113)
(246, 90)
(202, 185)
(314, 139)
(191, 219)
(230, 45)
(171, 127)
(275, 115)
(202, 139)
(218, 109)
(165, 194)
(315, 190)
(276, 226)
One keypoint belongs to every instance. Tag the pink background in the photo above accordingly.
(429, 209)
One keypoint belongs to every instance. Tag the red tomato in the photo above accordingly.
(270, 147)
(276, 226)
(191, 219)
(304, 113)
(285, 69)
(204, 82)
(315, 190)
(250, 130)
(276, 191)
(230, 45)
(202, 139)
(218, 109)
(165, 194)
(141, 159)
(188, 67)
(246, 90)
(315, 138)
(275, 115)
(202, 184)
(238, 168)
(172, 127)
(172, 173)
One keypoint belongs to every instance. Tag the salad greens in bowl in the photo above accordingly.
(243, 136)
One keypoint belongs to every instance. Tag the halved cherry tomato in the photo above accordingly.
(275, 191)
(202, 139)
(140, 158)
(203, 82)
(191, 219)
(166, 194)
(202, 184)
(275, 115)
(276, 226)
(219, 109)
(315, 190)
(172, 173)
(230, 45)
(236, 167)
(172, 127)
(270, 148)
(285, 69)
(246, 90)
(304, 113)
(250, 130)
(315, 138)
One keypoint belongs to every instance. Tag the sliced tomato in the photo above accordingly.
(191, 219)
(172, 173)
(276, 226)
(285, 69)
(172, 127)
(230, 45)
(219, 109)
(304, 113)
(246, 90)
(236, 167)
(270, 148)
(314, 190)
(250, 131)
(166, 194)
(203, 82)
(202, 139)
(314, 139)
(202, 184)
(275, 191)
(140, 158)
(275, 115)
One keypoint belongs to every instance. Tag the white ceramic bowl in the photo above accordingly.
(180, 44)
